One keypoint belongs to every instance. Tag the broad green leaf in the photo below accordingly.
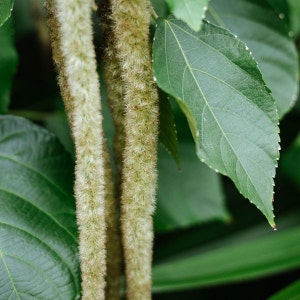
(256, 23)
(188, 197)
(190, 11)
(38, 235)
(291, 292)
(216, 235)
(167, 128)
(6, 7)
(8, 64)
(238, 261)
(231, 114)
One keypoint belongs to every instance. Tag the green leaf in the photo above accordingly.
(190, 11)
(291, 292)
(290, 161)
(6, 7)
(38, 234)
(281, 8)
(256, 23)
(58, 124)
(8, 64)
(238, 261)
(294, 13)
(167, 128)
(188, 197)
(231, 114)
(160, 7)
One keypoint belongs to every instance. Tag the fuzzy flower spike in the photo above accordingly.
(131, 20)
(73, 51)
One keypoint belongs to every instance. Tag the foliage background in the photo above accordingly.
(206, 232)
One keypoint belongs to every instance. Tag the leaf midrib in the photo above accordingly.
(33, 266)
(42, 211)
(47, 179)
(206, 102)
(214, 49)
(52, 250)
(9, 275)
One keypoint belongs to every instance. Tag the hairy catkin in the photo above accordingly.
(73, 52)
(114, 94)
(114, 85)
(131, 33)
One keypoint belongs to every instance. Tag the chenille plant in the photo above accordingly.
(140, 106)
(211, 62)
(75, 59)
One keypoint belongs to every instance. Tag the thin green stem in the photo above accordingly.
(154, 14)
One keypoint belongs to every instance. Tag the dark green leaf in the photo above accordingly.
(38, 235)
(8, 64)
(237, 261)
(281, 8)
(294, 10)
(256, 23)
(190, 11)
(188, 197)
(167, 128)
(6, 7)
(160, 7)
(290, 161)
(58, 124)
(231, 114)
(292, 292)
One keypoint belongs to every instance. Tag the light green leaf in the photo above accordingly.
(6, 7)
(190, 11)
(8, 64)
(38, 235)
(231, 114)
(188, 197)
(291, 292)
(256, 23)
(238, 261)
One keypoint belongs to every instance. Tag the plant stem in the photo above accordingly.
(153, 13)
(73, 52)
(131, 33)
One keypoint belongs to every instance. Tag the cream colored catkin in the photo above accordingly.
(131, 33)
(73, 52)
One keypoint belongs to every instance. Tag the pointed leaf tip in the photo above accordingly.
(230, 111)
